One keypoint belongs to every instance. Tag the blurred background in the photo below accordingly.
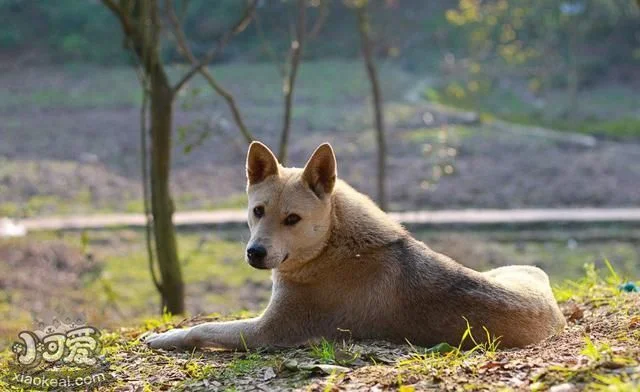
(464, 104)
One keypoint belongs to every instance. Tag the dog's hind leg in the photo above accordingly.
(521, 273)
(533, 283)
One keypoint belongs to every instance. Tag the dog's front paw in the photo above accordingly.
(175, 339)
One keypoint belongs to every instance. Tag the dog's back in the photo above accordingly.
(379, 282)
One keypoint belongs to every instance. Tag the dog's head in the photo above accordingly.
(289, 208)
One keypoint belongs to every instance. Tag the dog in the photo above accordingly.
(340, 264)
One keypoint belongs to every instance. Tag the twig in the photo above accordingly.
(236, 29)
(183, 45)
(144, 169)
(323, 12)
(367, 53)
(129, 29)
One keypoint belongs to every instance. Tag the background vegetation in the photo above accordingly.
(487, 104)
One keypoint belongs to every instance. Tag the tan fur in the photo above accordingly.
(350, 270)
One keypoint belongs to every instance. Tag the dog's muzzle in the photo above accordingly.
(256, 255)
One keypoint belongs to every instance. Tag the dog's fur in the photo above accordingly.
(347, 268)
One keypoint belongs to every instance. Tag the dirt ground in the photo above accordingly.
(74, 157)
(598, 351)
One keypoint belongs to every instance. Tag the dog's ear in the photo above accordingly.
(320, 171)
(261, 163)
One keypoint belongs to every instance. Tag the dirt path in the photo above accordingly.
(414, 218)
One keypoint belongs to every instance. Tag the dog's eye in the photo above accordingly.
(292, 219)
(258, 211)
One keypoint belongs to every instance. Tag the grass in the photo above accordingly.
(324, 351)
(206, 262)
(602, 357)
(214, 271)
(561, 252)
(607, 110)
(325, 82)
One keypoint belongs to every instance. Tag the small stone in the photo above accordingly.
(269, 374)
(629, 287)
(566, 387)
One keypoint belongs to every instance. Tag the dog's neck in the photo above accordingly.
(358, 227)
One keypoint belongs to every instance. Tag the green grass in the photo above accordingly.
(597, 285)
(324, 351)
(320, 83)
(452, 135)
(560, 252)
(237, 201)
(601, 362)
(213, 268)
(608, 110)
(125, 281)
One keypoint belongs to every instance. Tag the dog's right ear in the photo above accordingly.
(261, 163)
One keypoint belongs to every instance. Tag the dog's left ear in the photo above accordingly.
(320, 171)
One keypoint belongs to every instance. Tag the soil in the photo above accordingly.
(87, 160)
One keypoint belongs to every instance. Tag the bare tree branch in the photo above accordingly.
(323, 12)
(184, 48)
(129, 29)
(222, 42)
(364, 28)
(297, 46)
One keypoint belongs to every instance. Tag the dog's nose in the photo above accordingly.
(256, 255)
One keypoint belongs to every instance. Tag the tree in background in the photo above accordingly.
(543, 41)
(366, 45)
(141, 23)
(289, 69)
(288, 86)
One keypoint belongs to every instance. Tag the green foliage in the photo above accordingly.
(601, 288)
(543, 42)
(324, 351)
(65, 29)
(513, 32)
(595, 352)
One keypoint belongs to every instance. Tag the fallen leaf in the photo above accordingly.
(493, 364)
(269, 374)
(323, 368)
(576, 313)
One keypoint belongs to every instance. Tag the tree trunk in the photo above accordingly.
(290, 80)
(143, 39)
(161, 203)
(364, 27)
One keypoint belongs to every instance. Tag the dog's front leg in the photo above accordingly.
(239, 334)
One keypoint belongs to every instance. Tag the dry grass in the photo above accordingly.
(599, 350)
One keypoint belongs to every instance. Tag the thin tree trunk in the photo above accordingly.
(143, 38)
(290, 80)
(161, 203)
(572, 74)
(183, 45)
(364, 27)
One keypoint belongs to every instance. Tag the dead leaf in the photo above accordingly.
(269, 374)
(493, 364)
(575, 313)
(323, 368)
